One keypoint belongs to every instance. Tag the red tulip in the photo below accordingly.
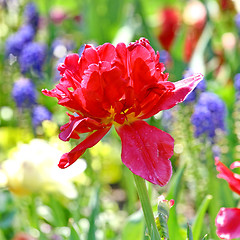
(120, 86)
(23, 236)
(228, 223)
(226, 5)
(228, 219)
(233, 179)
(170, 22)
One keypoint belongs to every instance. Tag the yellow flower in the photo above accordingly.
(33, 168)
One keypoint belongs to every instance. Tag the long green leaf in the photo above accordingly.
(134, 227)
(154, 234)
(175, 183)
(205, 237)
(74, 235)
(189, 233)
(2, 235)
(198, 222)
(94, 206)
(146, 205)
(173, 226)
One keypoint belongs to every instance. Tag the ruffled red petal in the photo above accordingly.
(146, 151)
(78, 125)
(70, 63)
(232, 178)
(107, 52)
(228, 223)
(169, 99)
(69, 158)
(235, 164)
(113, 90)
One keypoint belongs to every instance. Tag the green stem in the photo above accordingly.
(146, 206)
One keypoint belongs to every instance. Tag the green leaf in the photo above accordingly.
(205, 237)
(59, 212)
(94, 206)
(174, 189)
(199, 220)
(178, 46)
(146, 205)
(7, 219)
(140, 10)
(74, 235)
(189, 233)
(128, 183)
(2, 237)
(175, 183)
(134, 227)
(154, 234)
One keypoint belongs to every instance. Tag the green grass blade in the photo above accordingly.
(175, 182)
(154, 234)
(205, 237)
(146, 205)
(94, 206)
(74, 235)
(199, 220)
(134, 227)
(189, 233)
(174, 189)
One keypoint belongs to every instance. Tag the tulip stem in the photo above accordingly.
(146, 206)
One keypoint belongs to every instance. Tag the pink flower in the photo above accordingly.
(228, 219)
(120, 86)
(162, 200)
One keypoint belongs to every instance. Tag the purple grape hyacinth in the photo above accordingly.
(209, 115)
(31, 14)
(24, 93)
(39, 114)
(32, 58)
(202, 120)
(237, 85)
(237, 21)
(15, 42)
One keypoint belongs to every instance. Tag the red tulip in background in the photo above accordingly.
(228, 219)
(170, 22)
(120, 86)
(226, 5)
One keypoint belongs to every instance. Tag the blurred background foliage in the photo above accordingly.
(96, 197)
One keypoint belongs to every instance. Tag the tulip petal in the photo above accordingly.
(70, 63)
(107, 52)
(232, 179)
(235, 164)
(69, 158)
(170, 98)
(227, 223)
(114, 90)
(78, 125)
(146, 151)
